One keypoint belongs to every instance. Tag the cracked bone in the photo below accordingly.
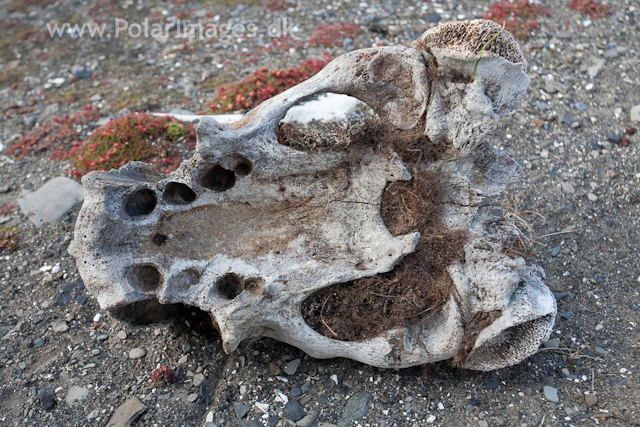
(248, 229)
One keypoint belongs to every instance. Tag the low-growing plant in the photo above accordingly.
(519, 16)
(275, 5)
(8, 241)
(161, 141)
(334, 34)
(591, 8)
(58, 136)
(262, 84)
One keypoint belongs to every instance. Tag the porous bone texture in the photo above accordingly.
(247, 229)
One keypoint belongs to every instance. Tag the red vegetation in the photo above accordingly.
(8, 242)
(590, 7)
(59, 136)
(262, 84)
(519, 16)
(163, 377)
(6, 210)
(334, 34)
(274, 5)
(160, 141)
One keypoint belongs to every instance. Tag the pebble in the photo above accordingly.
(309, 419)
(60, 326)
(431, 419)
(551, 394)
(552, 343)
(560, 295)
(544, 154)
(127, 413)
(483, 423)
(198, 379)
(77, 394)
(192, 397)
(137, 353)
(93, 415)
(52, 201)
(122, 335)
(295, 392)
(568, 119)
(241, 409)
(294, 410)
(591, 400)
(592, 197)
(555, 251)
(594, 69)
(635, 114)
(39, 342)
(292, 367)
(47, 401)
(357, 407)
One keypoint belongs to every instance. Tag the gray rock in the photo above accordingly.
(555, 251)
(601, 351)
(611, 53)
(52, 201)
(483, 423)
(635, 114)
(126, 413)
(137, 353)
(551, 394)
(291, 367)
(596, 64)
(553, 343)
(47, 401)
(240, 409)
(4, 189)
(294, 410)
(192, 397)
(357, 407)
(309, 419)
(560, 295)
(93, 414)
(198, 379)
(77, 395)
(39, 342)
(60, 326)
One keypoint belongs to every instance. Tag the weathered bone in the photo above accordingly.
(247, 228)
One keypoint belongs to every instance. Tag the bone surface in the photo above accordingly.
(249, 228)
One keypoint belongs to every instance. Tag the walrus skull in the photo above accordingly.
(248, 229)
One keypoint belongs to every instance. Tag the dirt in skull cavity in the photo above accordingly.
(419, 283)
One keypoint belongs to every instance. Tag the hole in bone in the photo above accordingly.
(140, 202)
(159, 239)
(145, 277)
(243, 167)
(218, 179)
(178, 193)
(230, 285)
(150, 312)
(184, 280)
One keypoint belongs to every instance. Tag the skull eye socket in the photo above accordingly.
(140, 202)
(218, 179)
(230, 286)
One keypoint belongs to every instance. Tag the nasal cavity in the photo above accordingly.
(145, 277)
(140, 202)
(178, 193)
(218, 179)
(230, 286)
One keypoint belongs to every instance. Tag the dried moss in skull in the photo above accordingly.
(380, 241)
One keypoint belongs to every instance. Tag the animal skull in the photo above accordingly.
(248, 228)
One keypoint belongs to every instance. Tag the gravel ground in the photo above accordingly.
(64, 363)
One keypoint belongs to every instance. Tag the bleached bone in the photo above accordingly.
(247, 228)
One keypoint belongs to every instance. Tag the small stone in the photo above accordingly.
(599, 327)
(611, 53)
(542, 106)
(137, 353)
(568, 119)
(553, 343)
(601, 351)
(568, 188)
(560, 295)
(544, 154)
(60, 326)
(291, 367)
(357, 407)
(52, 201)
(616, 139)
(295, 392)
(551, 394)
(555, 251)
(309, 419)
(192, 397)
(294, 410)
(434, 17)
(47, 401)
(431, 419)
(591, 400)
(385, 398)
(183, 360)
(592, 197)
(127, 413)
(122, 335)
(76, 395)
(198, 379)
(483, 423)
(39, 342)
(83, 74)
(93, 415)
(492, 385)
(596, 65)
(635, 114)
(241, 409)
(566, 316)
